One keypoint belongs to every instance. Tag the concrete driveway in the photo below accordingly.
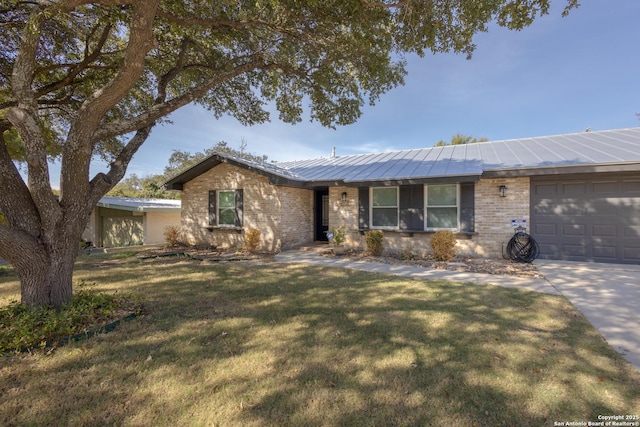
(607, 294)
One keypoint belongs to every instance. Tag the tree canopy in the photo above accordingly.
(87, 78)
(459, 139)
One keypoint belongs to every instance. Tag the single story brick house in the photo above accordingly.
(127, 221)
(578, 194)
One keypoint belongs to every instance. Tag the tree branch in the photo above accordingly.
(80, 141)
(212, 23)
(102, 183)
(373, 4)
(171, 74)
(122, 127)
(18, 210)
(77, 68)
(24, 116)
(14, 243)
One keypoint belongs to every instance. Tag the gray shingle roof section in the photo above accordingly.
(586, 148)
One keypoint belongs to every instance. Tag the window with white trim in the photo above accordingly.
(226, 208)
(442, 207)
(384, 207)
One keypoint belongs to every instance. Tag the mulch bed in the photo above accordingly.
(498, 266)
(209, 254)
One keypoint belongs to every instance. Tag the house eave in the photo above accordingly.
(562, 170)
(442, 179)
(138, 208)
(177, 182)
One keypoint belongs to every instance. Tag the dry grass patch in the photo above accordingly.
(247, 345)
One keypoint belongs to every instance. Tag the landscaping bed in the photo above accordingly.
(203, 253)
(498, 266)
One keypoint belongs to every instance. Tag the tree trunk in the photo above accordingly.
(47, 283)
(46, 274)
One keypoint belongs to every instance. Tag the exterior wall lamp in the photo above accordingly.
(344, 196)
(503, 191)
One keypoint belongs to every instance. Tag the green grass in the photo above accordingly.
(255, 345)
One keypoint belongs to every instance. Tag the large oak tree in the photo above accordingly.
(83, 78)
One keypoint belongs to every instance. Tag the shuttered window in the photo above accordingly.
(442, 207)
(384, 207)
(225, 208)
(418, 207)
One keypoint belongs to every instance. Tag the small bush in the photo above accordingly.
(172, 236)
(251, 240)
(443, 244)
(374, 240)
(408, 254)
(339, 236)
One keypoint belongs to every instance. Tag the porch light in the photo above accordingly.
(503, 191)
(344, 196)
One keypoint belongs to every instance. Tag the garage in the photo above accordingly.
(587, 217)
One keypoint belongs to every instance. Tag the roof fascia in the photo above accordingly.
(177, 183)
(138, 208)
(415, 181)
(562, 170)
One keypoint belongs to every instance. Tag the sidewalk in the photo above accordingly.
(311, 257)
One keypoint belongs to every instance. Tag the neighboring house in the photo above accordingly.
(578, 193)
(125, 221)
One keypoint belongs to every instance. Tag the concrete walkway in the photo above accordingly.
(608, 295)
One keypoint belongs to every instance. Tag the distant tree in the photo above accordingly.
(182, 160)
(459, 139)
(87, 78)
(151, 186)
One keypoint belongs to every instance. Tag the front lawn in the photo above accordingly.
(249, 344)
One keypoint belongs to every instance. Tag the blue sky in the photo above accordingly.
(560, 75)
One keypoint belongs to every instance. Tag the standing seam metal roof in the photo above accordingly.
(548, 154)
(585, 148)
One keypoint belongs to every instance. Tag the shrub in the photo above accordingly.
(172, 236)
(409, 254)
(374, 240)
(338, 236)
(443, 244)
(251, 240)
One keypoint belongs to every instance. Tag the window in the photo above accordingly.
(384, 207)
(442, 206)
(225, 208)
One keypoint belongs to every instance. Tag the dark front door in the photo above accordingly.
(321, 208)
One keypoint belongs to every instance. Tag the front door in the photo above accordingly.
(321, 209)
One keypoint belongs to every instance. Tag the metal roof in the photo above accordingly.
(140, 204)
(570, 153)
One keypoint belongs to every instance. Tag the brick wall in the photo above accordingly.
(493, 215)
(345, 214)
(282, 214)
